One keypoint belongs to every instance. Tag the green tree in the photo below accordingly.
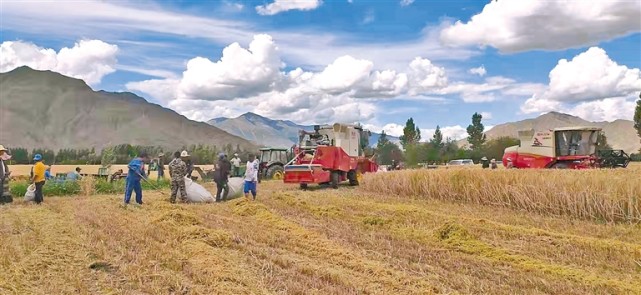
(411, 134)
(382, 140)
(494, 148)
(476, 137)
(637, 118)
(19, 156)
(387, 151)
(437, 138)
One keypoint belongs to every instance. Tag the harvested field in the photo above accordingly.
(321, 241)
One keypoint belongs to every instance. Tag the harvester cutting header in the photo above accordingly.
(563, 148)
(329, 155)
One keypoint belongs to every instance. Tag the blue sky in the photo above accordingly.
(377, 62)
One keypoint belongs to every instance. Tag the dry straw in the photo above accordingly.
(606, 195)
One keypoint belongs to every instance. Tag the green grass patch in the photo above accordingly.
(67, 188)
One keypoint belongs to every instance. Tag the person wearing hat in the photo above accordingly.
(493, 164)
(38, 177)
(221, 177)
(161, 166)
(5, 195)
(177, 172)
(134, 176)
(184, 155)
(74, 175)
(485, 163)
(235, 164)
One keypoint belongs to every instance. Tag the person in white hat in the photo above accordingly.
(184, 155)
(5, 195)
(235, 164)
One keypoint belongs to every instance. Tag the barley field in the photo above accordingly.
(393, 235)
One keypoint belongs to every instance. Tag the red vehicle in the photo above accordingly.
(329, 155)
(562, 148)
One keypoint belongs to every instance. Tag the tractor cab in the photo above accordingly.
(272, 161)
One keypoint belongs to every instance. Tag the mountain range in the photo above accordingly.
(269, 132)
(44, 109)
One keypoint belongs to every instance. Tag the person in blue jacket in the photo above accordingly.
(134, 176)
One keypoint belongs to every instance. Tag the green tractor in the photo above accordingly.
(272, 162)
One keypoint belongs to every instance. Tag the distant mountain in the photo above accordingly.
(268, 132)
(49, 110)
(620, 133)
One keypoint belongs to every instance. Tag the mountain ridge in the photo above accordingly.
(45, 109)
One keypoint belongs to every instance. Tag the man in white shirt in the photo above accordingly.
(251, 177)
(235, 165)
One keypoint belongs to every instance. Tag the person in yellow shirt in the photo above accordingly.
(38, 177)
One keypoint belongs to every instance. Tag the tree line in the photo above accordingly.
(120, 154)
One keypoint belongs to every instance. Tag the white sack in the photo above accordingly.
(30, 195)
(235, 185)
(196, 193)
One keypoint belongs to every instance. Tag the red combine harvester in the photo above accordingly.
(329, 155)
(562, 148)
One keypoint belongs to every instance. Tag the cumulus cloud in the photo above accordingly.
(279, 6)
(492, 89)
(239, 72)
(89, 60)
(478, 71)
(591, 85)
(254, 79)
(513, 26)
(486, 115)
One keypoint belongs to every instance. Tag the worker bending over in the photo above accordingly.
(134, 176)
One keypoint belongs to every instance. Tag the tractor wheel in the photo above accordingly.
(335, 178)
(303, 186)
(352, 176)
(276, 172)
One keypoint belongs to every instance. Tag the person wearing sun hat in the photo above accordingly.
(184, 155)
(5, 195)
(38, 177)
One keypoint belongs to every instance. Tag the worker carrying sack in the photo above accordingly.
(30, 195)
(196, 193)
(235, 186)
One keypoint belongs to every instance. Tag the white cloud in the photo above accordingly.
(590, 85)
(591, 75)
(478, 71)
(89, 60)
(455, 132)
(239, 72)
(279, 6)
(253, 79)
(492, 89)
(513, 26)
(406, 2)
(486, 115)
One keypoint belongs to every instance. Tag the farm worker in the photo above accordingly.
(493, 163)
(161, 166)
(74, 175)
(221, 177)
(5, 195)
(38, 177)
(187, 159)
(134, 176)
(251, 177)
(48, 175)
(235, 163)
(485, 164)
(177, 172)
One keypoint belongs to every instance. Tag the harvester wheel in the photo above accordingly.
(560, 165)
(335, 178)
(303, 186)
(352, 176)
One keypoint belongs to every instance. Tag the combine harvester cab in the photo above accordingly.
(561, 148)
(330, 155)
